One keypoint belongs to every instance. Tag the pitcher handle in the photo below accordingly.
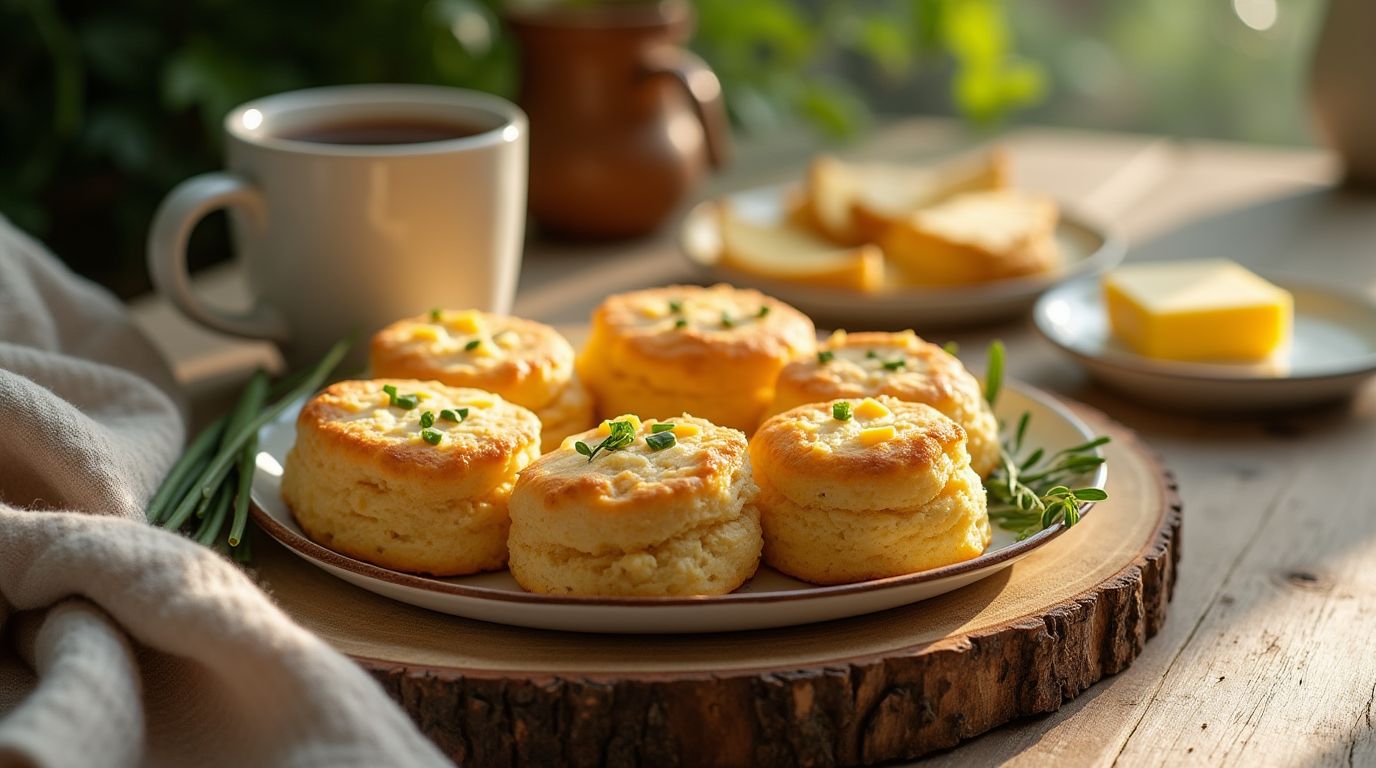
(704, 89)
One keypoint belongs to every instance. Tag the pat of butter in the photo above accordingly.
(869, 408)
(655, 310)
(686, 430)
(877, 435)
(821, 449)
(605, 428)
(1197, 310)
(468, 321)
(426, 333)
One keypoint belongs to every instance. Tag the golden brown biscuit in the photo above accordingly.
(899, 365)
(637, 521)
(713, 352)
(885, 491)
(364, 480)
(528, 363)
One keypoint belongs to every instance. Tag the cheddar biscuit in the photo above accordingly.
(899, 365)
(671, 512)
(712, 352)
(858, 489)
(526, 362)
(409, 475)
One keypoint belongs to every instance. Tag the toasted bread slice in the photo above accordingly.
(856, 203)
(974, 238)
(787, 252)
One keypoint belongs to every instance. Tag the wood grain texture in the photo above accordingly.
(847, 711)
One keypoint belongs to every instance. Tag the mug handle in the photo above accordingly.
(178, 214)
(703, 88)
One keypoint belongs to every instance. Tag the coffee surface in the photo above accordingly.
(384, 131)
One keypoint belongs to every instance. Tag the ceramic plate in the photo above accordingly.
(1088, 248)
(770, 599)
(1332, 354)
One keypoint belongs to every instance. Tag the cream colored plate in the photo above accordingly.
(1088, 248)
(771, 599)
(1332, 354)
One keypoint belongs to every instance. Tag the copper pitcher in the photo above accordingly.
(623, 120)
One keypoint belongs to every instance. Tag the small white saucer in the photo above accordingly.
(1087, 247)
(1332, 354)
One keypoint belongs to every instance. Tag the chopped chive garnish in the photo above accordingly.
(456, 416)
(391, 393)
(840, 411)
(726, 321)
(764, 310)
(950, 348)
(872, 355)
(407, 402)
(825, 356)
(675, 305)
(472, 345)
(665, 427)
(436, 314)
(893, 365)
(427, 419)
(660, 441)
(680, 323)
(431, 436)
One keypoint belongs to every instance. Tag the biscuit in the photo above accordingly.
(886, 492)
(713, 352)
(568, 414)
(899, 365)
(363, 480)
(528, 363)
(637, 521)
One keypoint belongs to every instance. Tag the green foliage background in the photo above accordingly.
(104, 107)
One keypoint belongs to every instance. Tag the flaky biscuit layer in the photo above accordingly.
(899, 365)
(691, 340)
(574, 518)
(818, 460)
(526, 362)
(829, 546)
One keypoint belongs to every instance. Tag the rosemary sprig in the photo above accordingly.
(1031, 494)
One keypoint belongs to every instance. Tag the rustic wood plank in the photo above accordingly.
(1282, 667)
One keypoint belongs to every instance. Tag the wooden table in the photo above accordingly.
(1264, 658)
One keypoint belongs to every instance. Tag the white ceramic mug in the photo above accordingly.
(341, 237)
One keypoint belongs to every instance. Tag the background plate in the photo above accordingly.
(1088, 248)
(771, 599)
(1332, 354)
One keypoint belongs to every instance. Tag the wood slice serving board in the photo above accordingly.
(889, 685)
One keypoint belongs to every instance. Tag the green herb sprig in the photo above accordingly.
(1033, 493)
(215, 474)
(622, 435)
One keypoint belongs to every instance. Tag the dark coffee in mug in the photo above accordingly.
(379, 131)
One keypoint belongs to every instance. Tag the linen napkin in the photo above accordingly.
(127, 645)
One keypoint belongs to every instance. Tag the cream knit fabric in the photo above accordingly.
(125, 645)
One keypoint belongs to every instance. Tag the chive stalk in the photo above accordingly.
(223, 461)
(178, 481)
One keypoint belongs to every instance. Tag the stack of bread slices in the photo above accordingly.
(864, 226)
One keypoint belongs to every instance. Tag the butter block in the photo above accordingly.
(1213, 310)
